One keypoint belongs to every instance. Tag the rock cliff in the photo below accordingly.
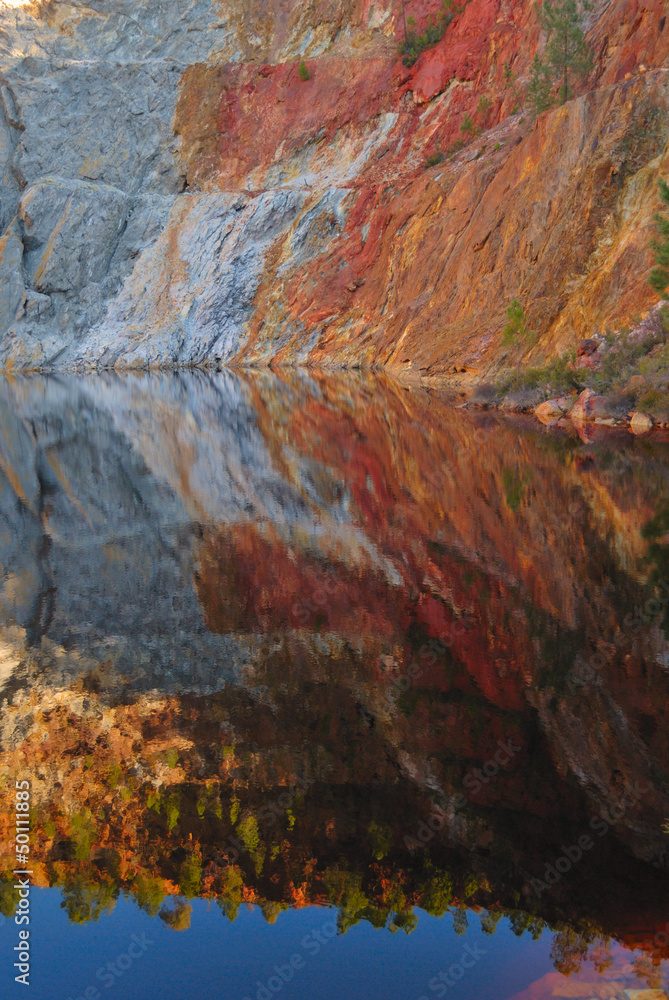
(172, 192)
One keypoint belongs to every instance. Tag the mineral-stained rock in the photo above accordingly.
(194, 296)
(582, 408)
(566, 403)
(103, 122)
(635, 383)
(386, 259)
(603, 410)
(607, 409)
(641, 423)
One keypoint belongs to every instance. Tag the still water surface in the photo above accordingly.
(326, 688)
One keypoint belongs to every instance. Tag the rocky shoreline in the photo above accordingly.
(582, 409)
(618, 380)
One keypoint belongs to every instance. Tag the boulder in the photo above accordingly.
(640, 423)
(608, 410)
(600, 408)
(549, 411)
(586, 347)
(581, 411)
(70, 231)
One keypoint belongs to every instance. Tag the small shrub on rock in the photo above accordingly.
(659, 276)
(415, 44)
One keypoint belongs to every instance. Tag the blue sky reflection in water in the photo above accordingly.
(281, 651)
(216, 960)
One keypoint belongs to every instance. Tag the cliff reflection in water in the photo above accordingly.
(306, 640)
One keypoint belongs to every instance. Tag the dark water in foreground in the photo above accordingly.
(327, 689)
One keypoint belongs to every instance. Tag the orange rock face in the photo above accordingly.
(557, 212)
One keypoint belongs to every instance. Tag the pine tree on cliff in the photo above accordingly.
(567, 51)
(540, 89)
(659, 276)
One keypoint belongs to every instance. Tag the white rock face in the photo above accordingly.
(87, 161)
(194, 304)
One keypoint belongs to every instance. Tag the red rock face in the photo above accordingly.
(235, 119)
(476, 41)
(557, 212)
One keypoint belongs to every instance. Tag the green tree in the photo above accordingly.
(303, 71)
(190, 876)
(435, 29)
(271, 909)
(82, 833)
(247, 829)
(659, 276)
(567, 51)
(483, 107)
(489, 920)
(436, 893)
(177, 916)
(467, 127)
(85, 899)
(232, 890)
(539, 91)
(511, 83)
(149, 893)
(516, 333)
(404, 920)
(460, 921)
(9, 897)
(381, 839)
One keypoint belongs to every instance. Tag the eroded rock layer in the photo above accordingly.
(172, 192)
